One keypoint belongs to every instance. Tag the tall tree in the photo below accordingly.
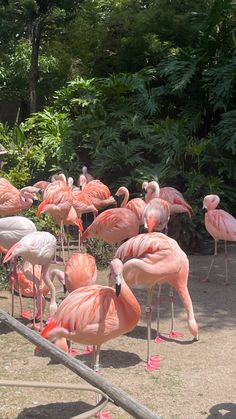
(37, 20)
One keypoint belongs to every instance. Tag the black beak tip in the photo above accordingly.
(204, 210)
(118, 288)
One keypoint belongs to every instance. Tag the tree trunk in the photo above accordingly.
(34, 67)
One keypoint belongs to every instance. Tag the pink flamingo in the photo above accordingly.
(58, 202)
(82, 203)
(221, 226)
(95, 314)
(31, 284)
(99, 194)
(80, 271)
(38, 248)
(88, 176)
(113, 225)
(136, 205)
(12, 200)
(152, 258)
(12, 229)
(177, 204)
(156, 215)
(84, 178)
(171, 195)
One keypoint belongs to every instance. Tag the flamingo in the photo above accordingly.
(80, 271)
(171, 195)
(12, 200)
(38, 248)
(12, 229)
(99, 194)
(221, 226)
(152, 258)
(156, 215)
(57, 201)
(113, 225)
(177, 204)
(29, 280)
(136, 205)
(87, 175)
(95, 314)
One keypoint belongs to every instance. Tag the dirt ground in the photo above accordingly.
(195, 380)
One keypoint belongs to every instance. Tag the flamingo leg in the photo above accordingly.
(173, 334)
(68, 242)
(12, 282)
(226, 264)
(212, 263)
(62, 241)
(96, 356)
(158, 338)
(148, 312)
(51, 286)
(40, 290)
(153, 362)
(34, 298)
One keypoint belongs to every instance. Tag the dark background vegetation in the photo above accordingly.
(134, 89)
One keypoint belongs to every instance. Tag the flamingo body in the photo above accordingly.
(174, 197)
(156, 215)
(156, 258)
(12, 200)
(220, 224)
(136, 205)
(80, 271)
(14, 228)
(113, 225)
(95, 314)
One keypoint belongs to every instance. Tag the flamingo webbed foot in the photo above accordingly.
(73, 352)
(174, 334)
(153, 363)
(88, 350)
(26, 314)
(205, 280)
(159, 339)
(103, 415)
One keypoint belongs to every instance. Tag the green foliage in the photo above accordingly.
(101, 251)
(43, 222)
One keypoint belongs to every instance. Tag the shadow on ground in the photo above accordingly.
(223, 410)
(55, 410)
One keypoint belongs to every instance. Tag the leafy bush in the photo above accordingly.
(101, 251)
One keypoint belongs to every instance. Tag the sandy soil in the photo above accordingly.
(194, 380)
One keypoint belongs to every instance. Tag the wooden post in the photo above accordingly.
(116, 394)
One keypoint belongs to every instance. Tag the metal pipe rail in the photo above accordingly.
(115, 394)
(35, 384)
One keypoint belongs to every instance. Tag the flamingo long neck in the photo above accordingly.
(139, 264)
(49, 283)
(130, 302)
(126, 197)
(187, 302)
(26, 199)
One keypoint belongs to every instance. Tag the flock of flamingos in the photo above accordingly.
(92, 314)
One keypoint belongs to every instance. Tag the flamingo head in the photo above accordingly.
(116, 274)
(210, 202)
(42, 207)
